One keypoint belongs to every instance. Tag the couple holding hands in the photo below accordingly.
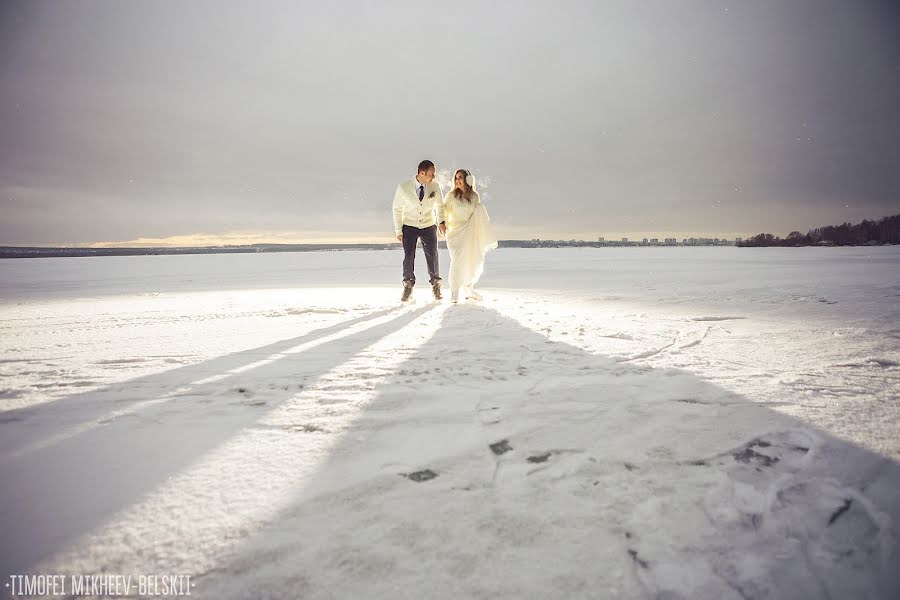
(421, 211)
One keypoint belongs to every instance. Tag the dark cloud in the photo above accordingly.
(126, 120)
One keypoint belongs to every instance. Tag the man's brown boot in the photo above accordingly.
(407, 291)
(436, 288)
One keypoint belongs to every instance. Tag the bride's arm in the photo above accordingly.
(448, 205)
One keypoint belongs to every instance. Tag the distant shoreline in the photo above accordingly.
(46, 252)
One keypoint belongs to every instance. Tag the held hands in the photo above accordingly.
(400, 237)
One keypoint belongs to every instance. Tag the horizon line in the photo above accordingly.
(286, 238)
(144, 246)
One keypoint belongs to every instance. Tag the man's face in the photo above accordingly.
(427, 176)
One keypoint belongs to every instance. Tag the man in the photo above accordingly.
(418, 208)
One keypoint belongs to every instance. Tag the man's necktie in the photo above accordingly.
(421, 192)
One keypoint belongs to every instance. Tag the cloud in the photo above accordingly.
(150, 120)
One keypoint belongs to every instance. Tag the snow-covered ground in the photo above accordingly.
(620, 422)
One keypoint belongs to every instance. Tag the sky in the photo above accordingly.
(202, 122)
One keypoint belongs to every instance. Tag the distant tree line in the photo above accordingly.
(883, 231)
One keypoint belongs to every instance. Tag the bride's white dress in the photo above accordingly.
(469, 236)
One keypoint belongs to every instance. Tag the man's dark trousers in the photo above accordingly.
(411, 235)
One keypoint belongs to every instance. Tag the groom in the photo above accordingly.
(418, 207)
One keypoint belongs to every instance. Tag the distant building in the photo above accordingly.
(624, 240)
(601, 239)
(654, 241)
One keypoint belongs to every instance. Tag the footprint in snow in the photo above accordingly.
(501, 447)
(420, 476)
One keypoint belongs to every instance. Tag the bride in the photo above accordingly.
(469, 235)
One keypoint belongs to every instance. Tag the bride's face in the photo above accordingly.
(460, 180)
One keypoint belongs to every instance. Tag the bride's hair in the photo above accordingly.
(468, 187)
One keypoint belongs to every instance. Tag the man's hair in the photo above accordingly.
(424, 166)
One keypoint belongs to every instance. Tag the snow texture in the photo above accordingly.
(606, 423)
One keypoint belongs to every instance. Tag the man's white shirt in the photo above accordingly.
(409, 210)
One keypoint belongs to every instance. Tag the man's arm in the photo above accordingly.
(398, 213)
(441, 210)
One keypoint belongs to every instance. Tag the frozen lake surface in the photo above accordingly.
(615, 422)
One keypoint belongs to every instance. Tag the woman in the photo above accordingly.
(469, 235)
